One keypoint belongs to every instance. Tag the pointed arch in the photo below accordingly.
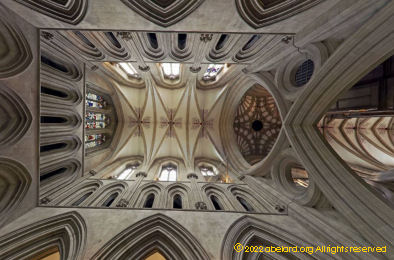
(155, 233)
(252, 231)
(67, 232)
(15, 181)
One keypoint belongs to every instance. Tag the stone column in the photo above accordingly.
(128, 199)
(196, 198)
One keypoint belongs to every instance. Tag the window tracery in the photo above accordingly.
(171, 70)
(99, 120)
(129, 69)
(213, 71)
(128, 172)
(168, 173)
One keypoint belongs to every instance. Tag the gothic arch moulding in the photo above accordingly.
(69, 11)
(15, 181)
(164, 12)
(66, 232)
(155, 233)
(15, 53)
(260, 13)
(16, 118)
(249, 231)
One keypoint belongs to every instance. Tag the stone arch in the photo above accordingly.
(218, 192)
(61, 174)
(362, 51)
(15, 181)
(18, 55)
(15, 117)
(144, 191)
(106, 191)
(281, 175)
(253, 199)
(177, 189)
(250, 231)
(71, 195)
(66, 231)
(154, 233)
(71, 12)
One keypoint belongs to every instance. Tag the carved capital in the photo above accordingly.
(122, 203)
(195, 70)
(142, 174)
(206, 37)
(144, 68)
(280, 208)
(47, 35)
(192, 176)
(45, 201)
(125, 36)
(201, 205)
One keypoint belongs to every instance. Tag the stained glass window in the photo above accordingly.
(94, 140)
(95, 101)
(212, 71)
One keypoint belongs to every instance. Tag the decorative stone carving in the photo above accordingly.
(70, 11)
(163, 12)
(195, 70)
(142, 174)
(94, 68)
(15, 53)
(206, 37)
(127, 36)
(45, 201)
(122, 203)
(201, 205)
(192, 176)
(144, 68)
(280, 208)
(92, 172)
(15, 117)
(47, 35)
(260, 13)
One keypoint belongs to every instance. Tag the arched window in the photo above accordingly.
(100, 120)
(207, 171)
(251, 42)
(168, 173)
(171, 70)
(82, 199)
(213, 71)
(304, 73)
(300, 177)
(245, 204)
(149, 201)
(222, 41)
(177, 202)
(153, 40)
(182, 37)
(216, 203)
(110, 200)
(129, 69)
(128, 172)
